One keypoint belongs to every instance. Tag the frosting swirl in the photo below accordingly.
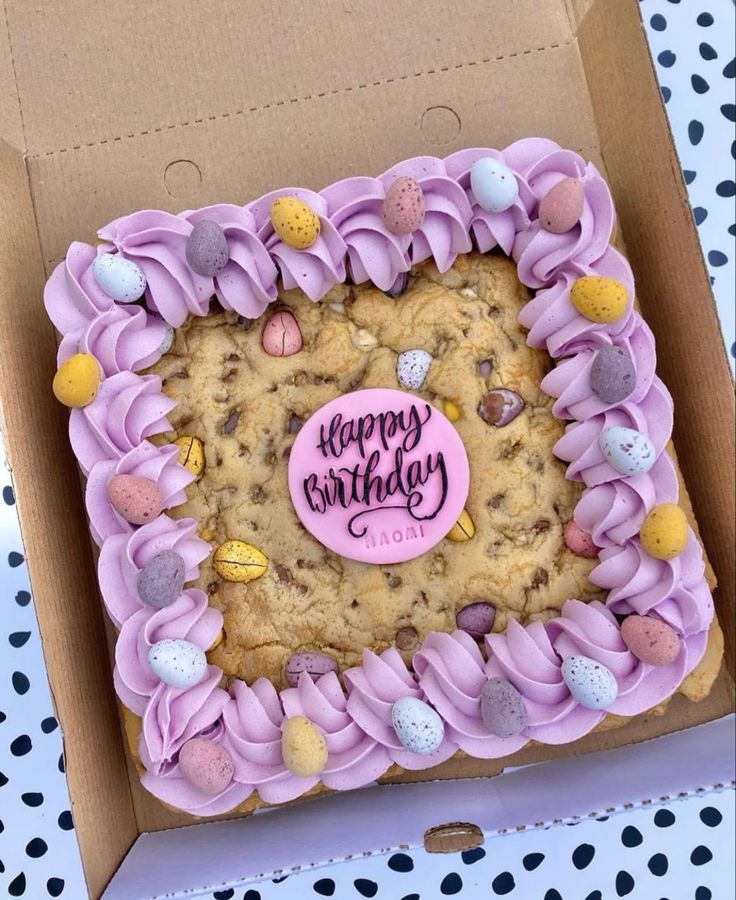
(71, 296)
(124, 555)
(451, 672)
(247, 284)
(158, 464)
(156, 241)
(127, 410)
(373, 688)
(354, 758)
(189, 617)
(318, 268)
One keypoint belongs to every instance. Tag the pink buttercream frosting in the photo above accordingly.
(128, 409)
(247, 284)
(123, 556)
(189, 618)
(72, 297)
(158, 464)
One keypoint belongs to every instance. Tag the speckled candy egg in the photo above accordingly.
(500, 407)
(591, 683)
(664, 532)
(502, 708)
(191, 454)
(77, 381)
(562, 206)
(651, 640)
(628, 451)
(412, 367)
(463, 530)
(294, 222)
(494, 185)
(239, 561)
(599, 299)
(310, 661)
(207, 251)
(303, 747)
(282, 335)
(417, 725)
(178, 663)
(476, 618)
(580, 542)
(403, 207)
(138, 500)
(119, 278)
(612, 375)
(206, 766)
(161, 580)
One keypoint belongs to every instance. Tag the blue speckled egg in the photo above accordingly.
(629, 452)
(591, 683)
(494, 185)
(417, 725)
(119, 278)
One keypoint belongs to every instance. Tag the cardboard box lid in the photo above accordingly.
(105, 109)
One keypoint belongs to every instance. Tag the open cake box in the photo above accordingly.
(108, 109)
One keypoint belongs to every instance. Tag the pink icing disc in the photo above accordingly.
(379, 476)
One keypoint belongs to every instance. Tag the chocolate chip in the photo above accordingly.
(394, 581)
(500, 406)
(283, 574)
(295, 424)
(232, 423)
(540, 526)
(231, 375)
(232, 357)
(406, 637)
(496, 502)
(258, 494)
(541, 576)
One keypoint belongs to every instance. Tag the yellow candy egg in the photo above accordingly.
(77, 380)
(599, 299)
(664, 532)
(191, 455)
(238, 561)
(303, 747)
(294, 222)
(217, 641)
(452, 411)
(463, 530)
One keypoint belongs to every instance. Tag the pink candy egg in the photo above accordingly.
(403, 208)
(282, 335)
(138, 500)
(206, 766)
(562, 206)
(579, 542)
(650, 640)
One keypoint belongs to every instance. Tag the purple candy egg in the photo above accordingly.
(612, 375)
(161, 580)
(477, 619)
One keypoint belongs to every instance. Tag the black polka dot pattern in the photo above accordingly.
(400, 862)
(503, 884)
(365, 887)
(451, 884)
(631, 836)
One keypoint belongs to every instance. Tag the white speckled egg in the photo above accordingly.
(417, 725)
(119, 278)
(179, 663)
(494, 185)
(590, 682)
(412, 367)
(629, 452)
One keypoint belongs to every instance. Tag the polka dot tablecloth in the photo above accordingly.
(682, 852)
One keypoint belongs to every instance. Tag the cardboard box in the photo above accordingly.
(107, 109)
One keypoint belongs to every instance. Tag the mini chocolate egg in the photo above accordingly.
(282, 335)
(500, 406)
(664, 532)
(294, 222)
(412, 367)
(502, 708)
(206, 766)
(168, 342)
(562, 206)
(406, 637)
(178, 663)
(476, 618)
(599, 298)
(417, 725)
(138, 500)
(191, 455)
(494, 185)
(238, 561)
(403, 207)
(628, 451)
(579, 542)
(207, 251)
(310, 661)
(399, 286)
(303, 747)
(119, 278)
(161, 580)
(651, 640)
(612, 375)
(452, 410)
(591, 683)
(77, 381)
(463, 530)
